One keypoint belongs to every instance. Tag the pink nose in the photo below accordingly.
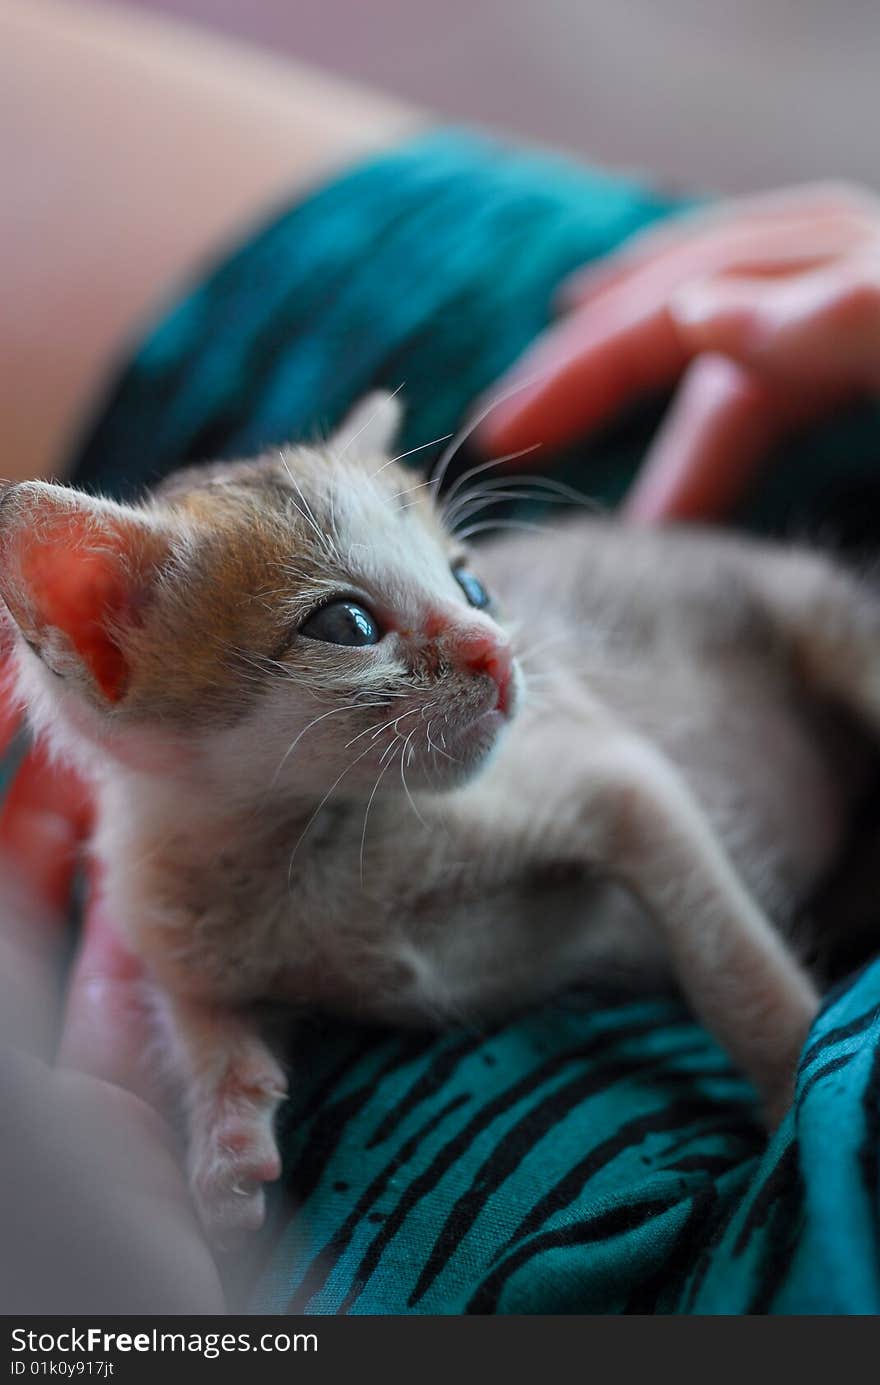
(482, 652)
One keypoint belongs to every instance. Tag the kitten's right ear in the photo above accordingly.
(76, 575)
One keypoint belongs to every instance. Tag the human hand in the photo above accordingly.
(95, 1215)
(768, 307)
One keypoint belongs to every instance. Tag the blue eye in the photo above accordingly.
(341, 622)
(472, 587)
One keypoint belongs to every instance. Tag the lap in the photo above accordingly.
(590, 1156)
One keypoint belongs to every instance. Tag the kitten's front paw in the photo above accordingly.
(227, 1174)
(233, 1153)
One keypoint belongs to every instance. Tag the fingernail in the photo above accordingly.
(692, 303)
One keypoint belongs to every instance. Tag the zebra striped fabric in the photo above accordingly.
(592, 1157)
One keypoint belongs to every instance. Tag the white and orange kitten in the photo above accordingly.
(330, 770)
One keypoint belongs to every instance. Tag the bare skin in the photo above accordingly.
(136, 147)
(94, 1210)
(766, 308)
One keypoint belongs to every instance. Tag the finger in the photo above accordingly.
(768, 251)
(640, 336)
(108, 1028)
(841, 214)
(822, 329)
(580, 372)
(717, 431)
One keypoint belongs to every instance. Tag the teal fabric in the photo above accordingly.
(599, 1154)
(575, 1160)
(594, 1156)
(428, 269)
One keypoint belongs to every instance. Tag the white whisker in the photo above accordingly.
(336, 782)
(412, 804)
(464, 433)
(324, 537)
(380, 776)
(373, 416)
(392, 722)
(334, 711)
(400, 456)
(534, 488)
(485, 466)
(486, 525)
(436, 749)
(409, 490)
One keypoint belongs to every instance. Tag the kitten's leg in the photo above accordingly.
(829, 622)
(733, 966)
(233, 1086)
(637, 820)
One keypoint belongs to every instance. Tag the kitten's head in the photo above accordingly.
(269, 624)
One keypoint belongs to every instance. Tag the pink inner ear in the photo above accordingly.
(82, 590)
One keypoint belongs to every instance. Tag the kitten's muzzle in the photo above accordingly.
(482, 653)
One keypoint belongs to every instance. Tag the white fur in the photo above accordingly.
(365, 832)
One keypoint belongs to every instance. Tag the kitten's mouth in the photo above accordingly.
(507, 690)
(471, 734)
(506, 695)
(475, 738)
(471, 742)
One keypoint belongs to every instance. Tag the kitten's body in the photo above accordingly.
(424, 908)
(683, 767)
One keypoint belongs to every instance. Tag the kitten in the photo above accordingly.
(330, 770)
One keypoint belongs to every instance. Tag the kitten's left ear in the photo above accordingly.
(76, 575)
(370, 429)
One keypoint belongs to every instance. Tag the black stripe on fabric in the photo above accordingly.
(842, 1060)
(291, 1115)
(774, 1186)
(717, 1165)
(361, 1047)
(569, 1188)
(784, 1172)
(330, 1123)
(704, 1261)
(616, 1222)
(780, 1243)
(707, 1254)
(747, 1132)
(842, 987)
(439, 1071)
(834, 1036)
(522, 1138)
(328, 1257)
(869, 1151)
(645, 1297)
(459, 1144)
(589, 999)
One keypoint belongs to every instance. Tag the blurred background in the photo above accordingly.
(724, 95)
